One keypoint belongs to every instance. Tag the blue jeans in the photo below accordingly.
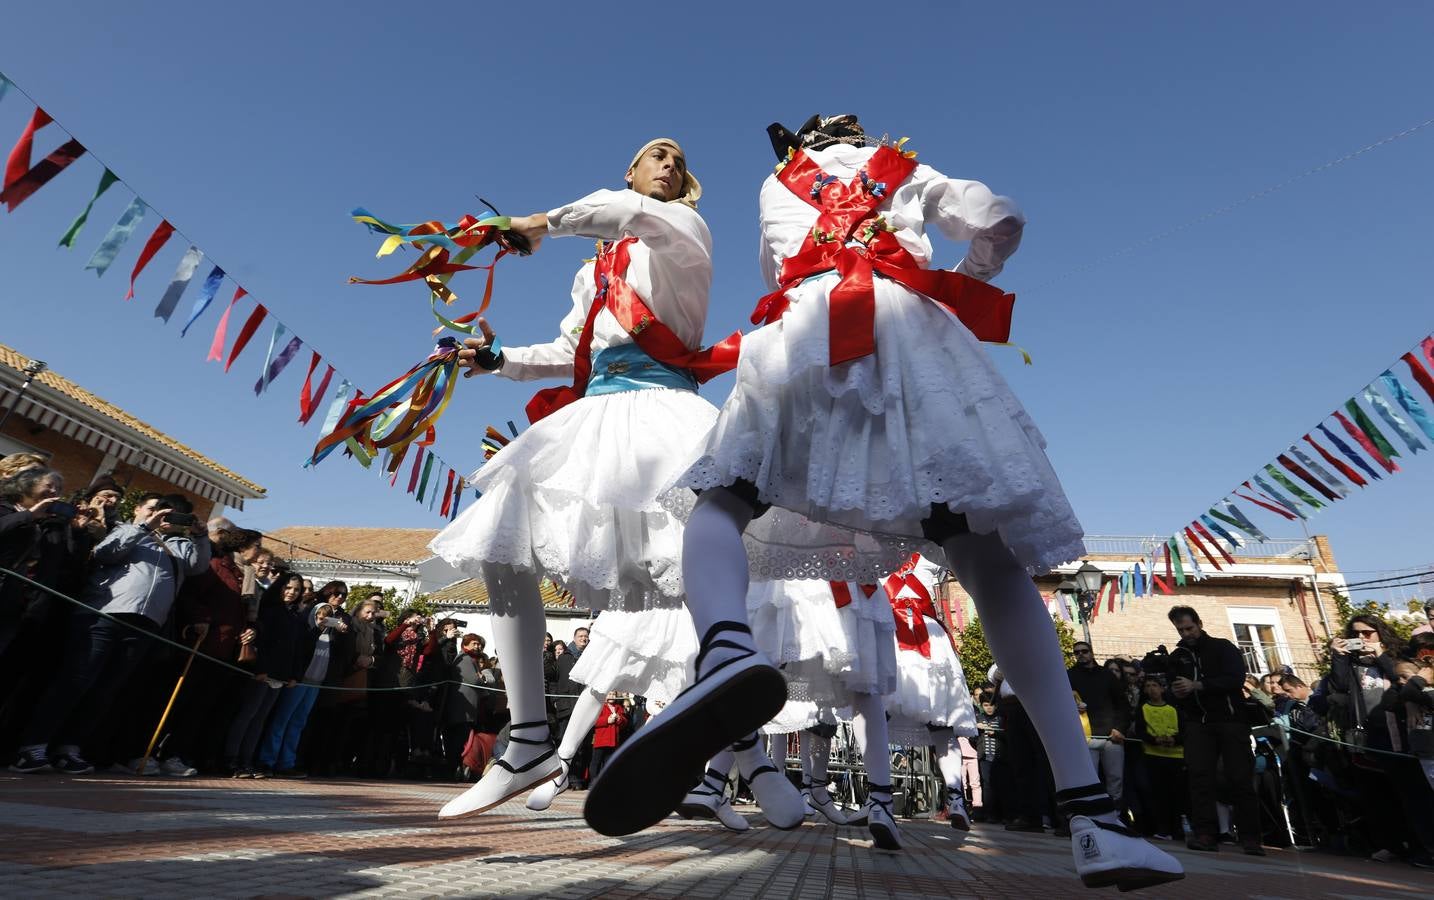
(280, 747)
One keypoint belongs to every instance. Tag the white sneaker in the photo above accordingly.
(822, 803)
(151, 767)
(884, 833)
(1108, 855)
(177, 768)
(542, 798)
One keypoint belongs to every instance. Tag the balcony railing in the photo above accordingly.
(1137, 546)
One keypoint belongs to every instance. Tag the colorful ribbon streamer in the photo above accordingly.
(423, 482)
(1234, 516)
(157, 239)
(1353, 476)
(1222, 531)
(107, 181)
(1387, 413)
(1276, 497)
(216, 346)
(1411, 404)
(182, 274)
(119, 233)
(1369, 428)
(1421, 374)
(1299, 493)
(1304, 475)
(206, 297)
(401, 411)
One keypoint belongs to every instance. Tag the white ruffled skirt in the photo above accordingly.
(649, 653)
(929, 692)
(575, 498)
(826, 653)
(859, 452)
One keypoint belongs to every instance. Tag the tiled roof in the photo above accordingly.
(395, 545)
(473, 592)
(17, 362)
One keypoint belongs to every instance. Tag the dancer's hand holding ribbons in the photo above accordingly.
(528, 231)
(480, 356)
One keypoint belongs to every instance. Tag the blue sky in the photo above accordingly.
(1163, 377)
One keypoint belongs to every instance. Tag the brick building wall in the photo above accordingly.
(78, 463)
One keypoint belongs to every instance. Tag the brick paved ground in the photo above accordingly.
(111, 836)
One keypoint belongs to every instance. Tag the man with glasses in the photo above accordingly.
(1208, 675)
(1109, 711)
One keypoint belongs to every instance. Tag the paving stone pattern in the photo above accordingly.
(150, 837)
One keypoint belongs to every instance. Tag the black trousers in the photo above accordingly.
(1213, 749)
(599, 759)
(1168, 793)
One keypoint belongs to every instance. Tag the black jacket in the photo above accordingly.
(1220, 668)
(564, 684)
(1105, 700)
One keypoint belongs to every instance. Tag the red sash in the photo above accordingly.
(841, 592)
(848, 215)
(910, 612)
(637, 319)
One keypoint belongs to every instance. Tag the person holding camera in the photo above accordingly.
(1208, 677)
(140, 566)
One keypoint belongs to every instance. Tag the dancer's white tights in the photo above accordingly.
(816, 753)
(714, 567)
(1023, 641)
(948, 755)
(583, 718)
(869, 724)
(518, 622)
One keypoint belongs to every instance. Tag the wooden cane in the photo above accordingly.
(159, 729)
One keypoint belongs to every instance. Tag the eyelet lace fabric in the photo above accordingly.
(826, 653)
(649, 653)
(931, 691)
(575, 499)
(866, 447)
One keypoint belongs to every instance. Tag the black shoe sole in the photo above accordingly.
(884, 838)
(647, 778)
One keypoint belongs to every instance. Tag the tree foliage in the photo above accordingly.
(976, 657)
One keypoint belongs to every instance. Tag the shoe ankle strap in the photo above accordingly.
(710, 642)
(547, 738)
(1080, 793)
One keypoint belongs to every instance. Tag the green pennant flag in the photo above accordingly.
(1292, 487)
(423, 483)
(1175, 558)
(106, 180)
(1374, 433)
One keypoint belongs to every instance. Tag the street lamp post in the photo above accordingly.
(1085, 586)
(32, 369)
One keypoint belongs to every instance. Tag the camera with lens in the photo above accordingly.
(180, 519)
(62, 510)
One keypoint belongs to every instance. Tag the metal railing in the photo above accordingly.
(1140, 546)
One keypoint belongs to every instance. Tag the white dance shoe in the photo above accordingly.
(822, 803)
(649, 775)
(1108, 853)
(780, 800)
(960, 818)
(544, 795)
(880, 821)
(503, 781)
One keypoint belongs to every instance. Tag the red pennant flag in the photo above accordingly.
(1279, 510)
(1217, 545)
(1306, 477)
(1111, 603)
(1338, 463)
(1169, 571)
(413, 475)
(151, 247)
(1421, 374)
(448, 494)
(310, 399)
(1198, 544)
(245, 333)
(1428, 346)
(1160, 583)
(19, 162)
(39, 176)
(1358, 434)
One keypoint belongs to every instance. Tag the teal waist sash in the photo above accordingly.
(626, 367)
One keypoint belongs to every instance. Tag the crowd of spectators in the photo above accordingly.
(282, 680)
(1194, 747)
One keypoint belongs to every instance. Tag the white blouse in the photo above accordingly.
(961, 210)
(671, 269)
